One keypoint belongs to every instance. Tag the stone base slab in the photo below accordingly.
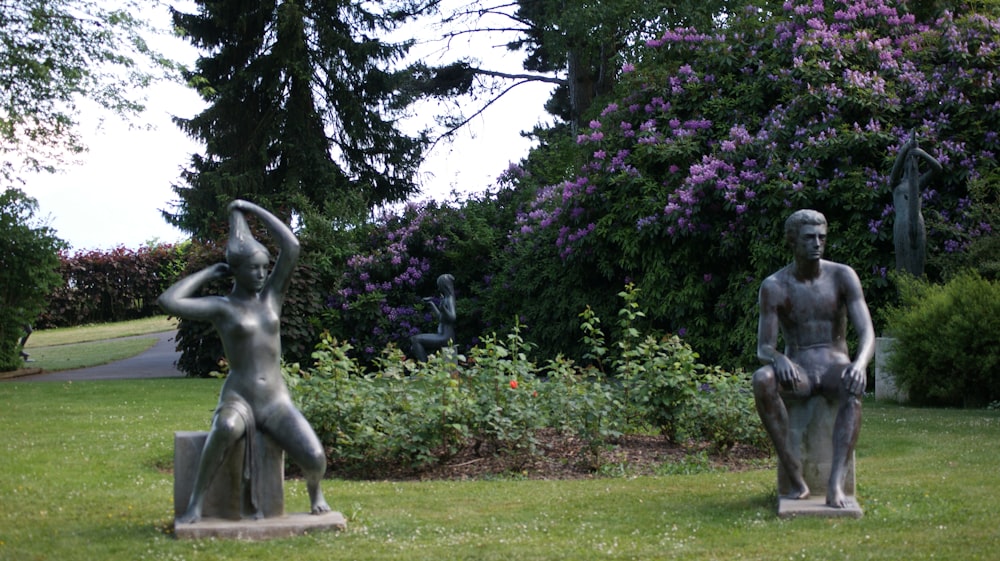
(261, 529)
(227, 497)
(816, 507)
(810, 439)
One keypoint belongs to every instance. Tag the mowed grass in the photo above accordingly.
(68, 348)
(83, 355)
(99, 332)
(85, 474)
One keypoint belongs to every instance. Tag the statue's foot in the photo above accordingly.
(835, 498)
(320, 508)
(319, 505)
(189, 517)
(798, 492)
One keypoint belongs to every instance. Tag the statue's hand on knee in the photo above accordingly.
(788, 376)
(854, 379)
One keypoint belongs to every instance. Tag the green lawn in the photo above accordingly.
(84, 474)
(68, 348)
(98, 332)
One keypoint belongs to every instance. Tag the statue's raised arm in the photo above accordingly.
(907, 182)
(288, 244)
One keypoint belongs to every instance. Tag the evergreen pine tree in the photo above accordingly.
(303, 99)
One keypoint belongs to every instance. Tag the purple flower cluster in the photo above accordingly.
(567, 237)
(378, 289)
(680, 35)
(851, 83)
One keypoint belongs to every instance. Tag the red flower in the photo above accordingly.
(513, 384)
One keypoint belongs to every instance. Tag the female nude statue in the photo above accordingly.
(908, 231)
(254, 395)
(446, 317)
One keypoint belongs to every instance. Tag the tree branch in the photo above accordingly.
(523, 77)
(454, 128)
(453, 34)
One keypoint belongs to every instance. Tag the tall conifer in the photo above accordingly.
(303, 99)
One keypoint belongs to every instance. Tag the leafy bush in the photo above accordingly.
(583, 404)
(412, 415)
(947, 349)
(371, 420)
(116, 285)
(28, 270)
(665, 386)
(723, 413)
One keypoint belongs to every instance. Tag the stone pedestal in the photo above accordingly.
(228, 512)
(287, 526)
(810, 438)
(227, 498)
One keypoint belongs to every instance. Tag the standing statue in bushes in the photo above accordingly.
(810, 302)
(24, 340)
(424, 342)
(908, 231)
(254, 395)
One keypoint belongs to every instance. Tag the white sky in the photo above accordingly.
(114, 196)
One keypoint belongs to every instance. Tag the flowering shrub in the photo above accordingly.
(412, 415)
(377, 295)
(715, 137)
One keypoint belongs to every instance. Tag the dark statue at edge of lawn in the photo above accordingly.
(810, 302)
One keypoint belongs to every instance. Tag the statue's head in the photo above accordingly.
(446, 284)
(248, 259)
(801, 218)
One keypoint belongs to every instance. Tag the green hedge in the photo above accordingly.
(947, 349)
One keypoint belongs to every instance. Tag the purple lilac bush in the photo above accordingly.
(378, 296)
(715, 137)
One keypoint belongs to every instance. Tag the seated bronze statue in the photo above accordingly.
(810, 302)
(254, 395)
(424, 342)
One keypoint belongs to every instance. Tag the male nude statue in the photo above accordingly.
(810, 301)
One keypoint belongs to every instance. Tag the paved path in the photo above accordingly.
(157, 362)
